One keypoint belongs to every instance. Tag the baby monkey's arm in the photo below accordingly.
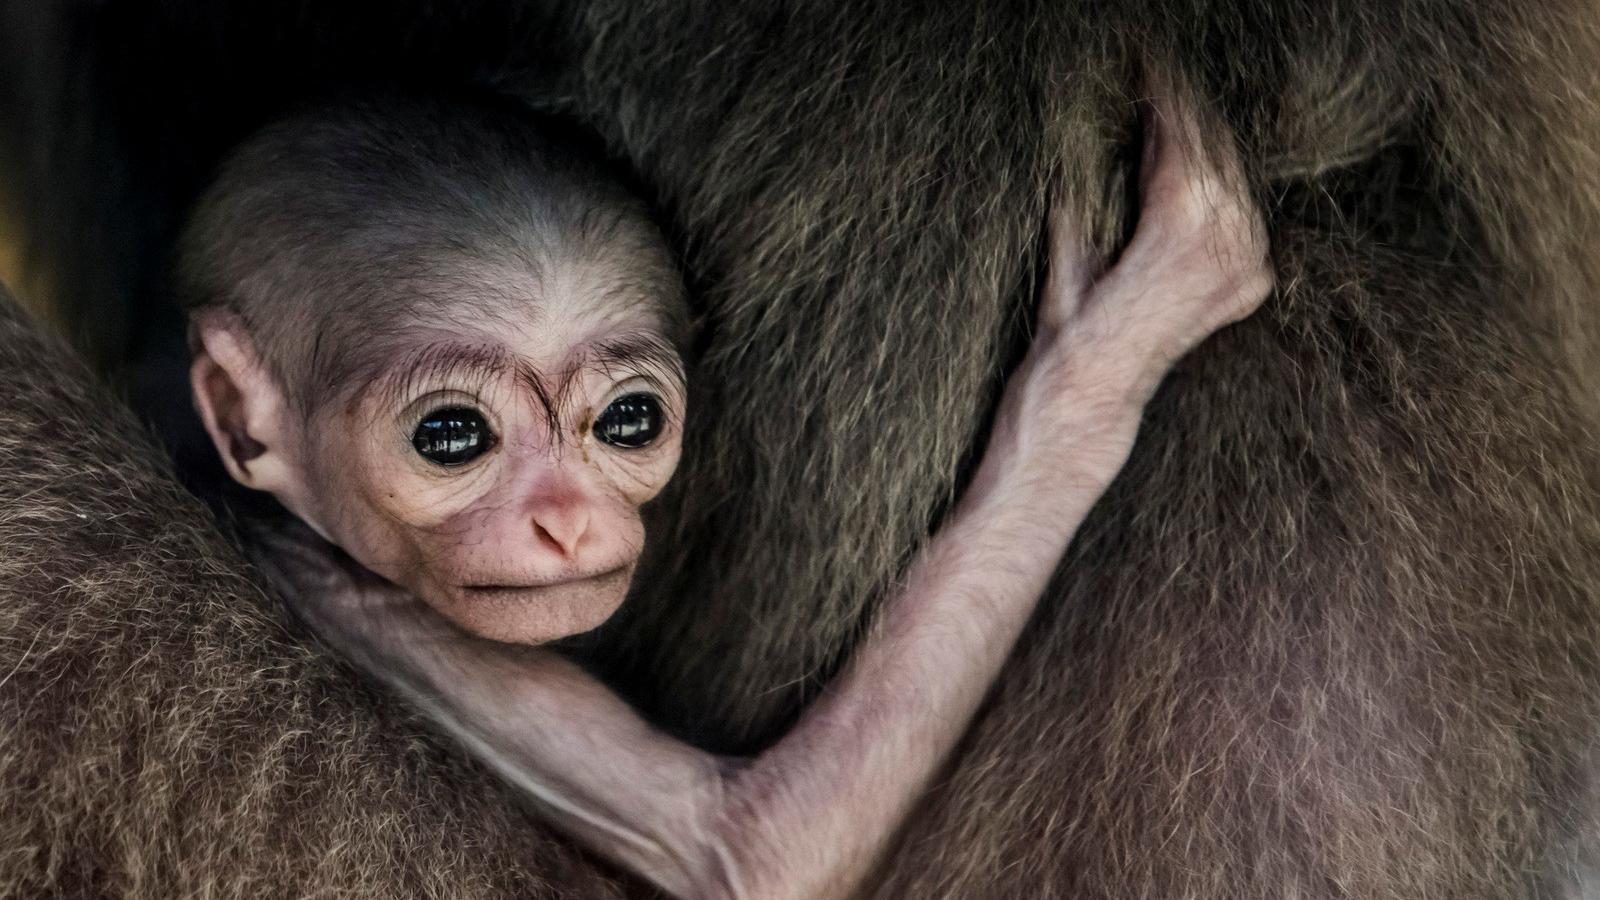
(809, 816)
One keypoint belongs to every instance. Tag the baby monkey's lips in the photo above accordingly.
(509, 590)
(532, 610)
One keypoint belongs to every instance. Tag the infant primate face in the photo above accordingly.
(495, 462)
(498, 466)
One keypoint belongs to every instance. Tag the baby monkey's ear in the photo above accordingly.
(243, 407)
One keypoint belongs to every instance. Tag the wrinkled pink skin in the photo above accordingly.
(809, 816)
(534, 540)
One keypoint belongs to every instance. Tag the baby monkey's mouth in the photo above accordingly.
(491, 590)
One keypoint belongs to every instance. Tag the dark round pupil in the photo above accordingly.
(630, 422)
(453, 436)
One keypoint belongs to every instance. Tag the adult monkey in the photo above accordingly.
(1333, 634)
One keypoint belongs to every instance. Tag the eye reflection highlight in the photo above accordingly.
(452, 436)
(631, 421)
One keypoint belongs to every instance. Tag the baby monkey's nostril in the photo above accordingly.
(561, 526)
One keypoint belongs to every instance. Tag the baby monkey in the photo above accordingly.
(451, 346)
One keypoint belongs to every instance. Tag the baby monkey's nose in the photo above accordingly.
(560, 515)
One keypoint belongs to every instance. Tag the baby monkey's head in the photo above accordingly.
(448, 340)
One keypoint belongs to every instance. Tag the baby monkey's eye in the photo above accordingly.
(630, 422)
(453, 436)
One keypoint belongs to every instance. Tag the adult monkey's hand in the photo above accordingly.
(808, 817)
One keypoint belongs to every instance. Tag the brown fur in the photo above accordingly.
(165, 734)
(1334, 633)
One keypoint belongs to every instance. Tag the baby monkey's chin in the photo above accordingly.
(532, 614)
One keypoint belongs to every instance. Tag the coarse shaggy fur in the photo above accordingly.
(1334, 632)
(162, 731)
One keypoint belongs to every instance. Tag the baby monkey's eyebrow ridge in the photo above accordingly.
(477, 363)
(645, 353)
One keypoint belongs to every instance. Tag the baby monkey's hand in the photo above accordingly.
(1197, 262)
(370, 621)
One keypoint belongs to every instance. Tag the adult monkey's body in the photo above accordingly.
(495, 392)
(1331, 633)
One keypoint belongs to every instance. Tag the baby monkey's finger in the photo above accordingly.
(1177, 181)
(1195, 196)
(1172, 161)
(1189, 188)
(1068, 278)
